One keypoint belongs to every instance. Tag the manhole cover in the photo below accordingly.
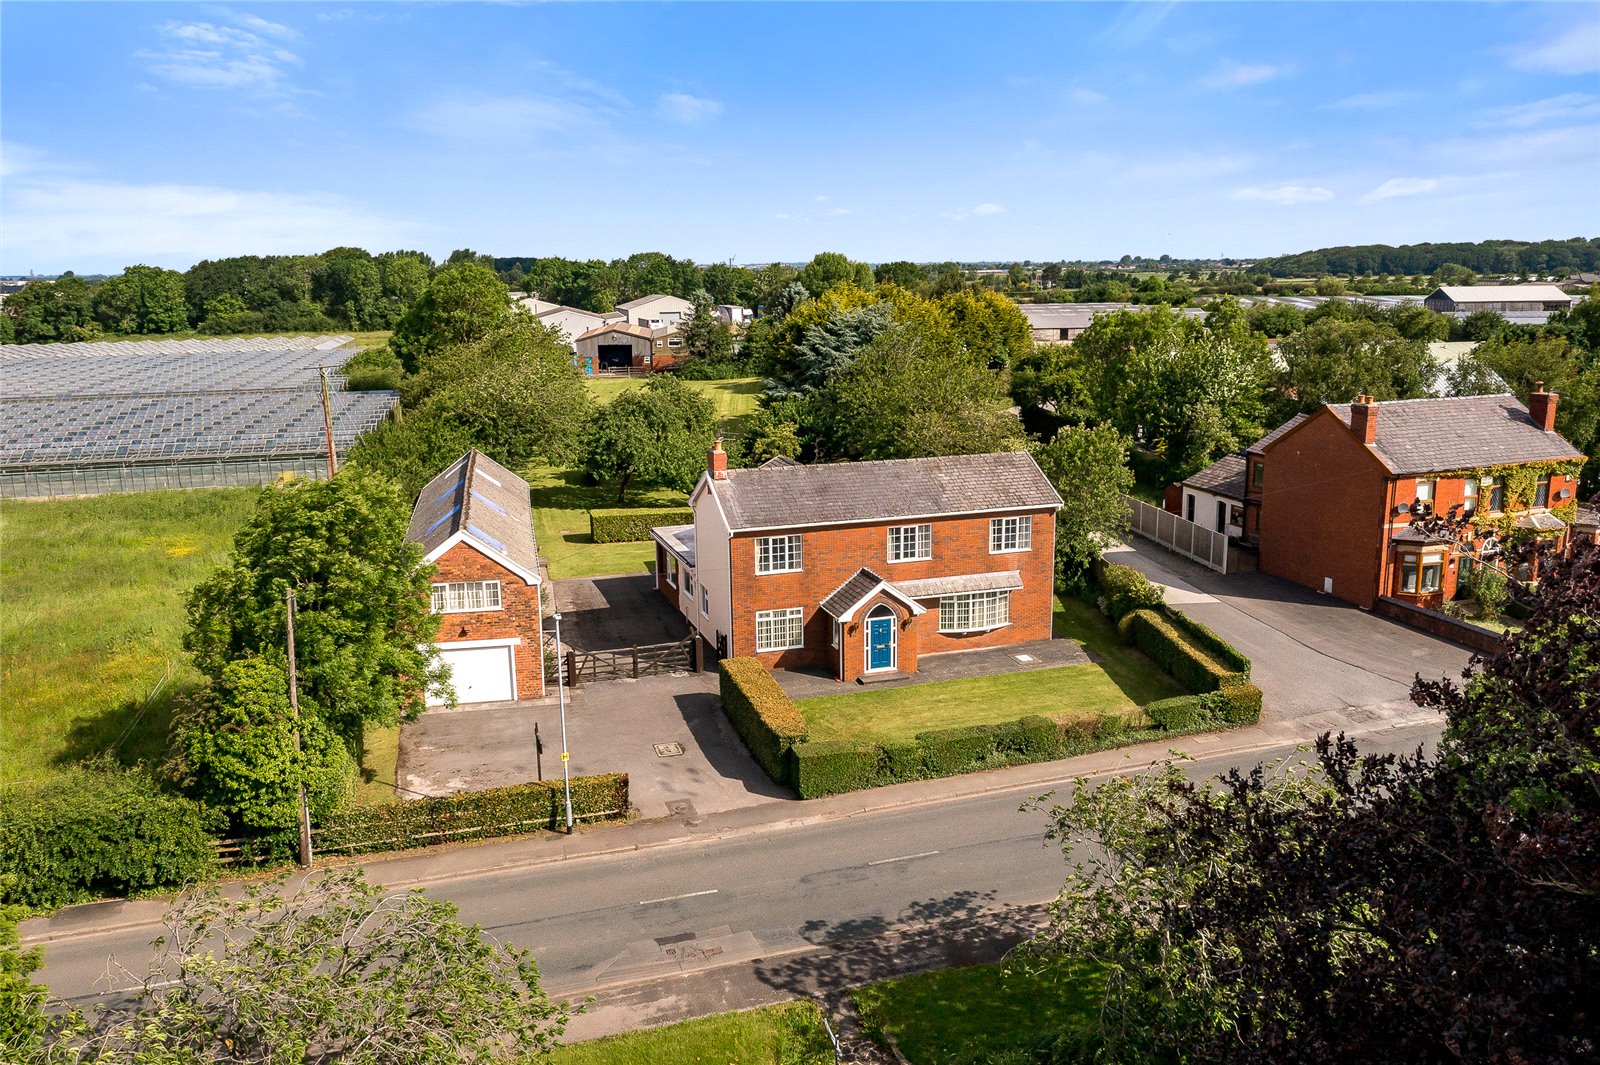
(668, 750)
(1023, 658)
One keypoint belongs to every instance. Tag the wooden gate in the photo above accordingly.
(585, 667)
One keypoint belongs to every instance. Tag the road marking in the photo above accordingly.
(903, 858)
(675, 898)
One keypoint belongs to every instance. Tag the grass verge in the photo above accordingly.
(380, 758)
(1140, 679)
(896, 715)
(967, 1014)
(93, 592)
(788, 1034)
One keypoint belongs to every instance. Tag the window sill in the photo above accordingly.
(482, 610)
(776, 572)
(1011, 550)
(969, 632)
(779, 650)
(898, 561)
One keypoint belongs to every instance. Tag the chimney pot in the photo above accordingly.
(1364, 418)
(717, 461)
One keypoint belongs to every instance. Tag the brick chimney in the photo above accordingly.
(717, 461)
(1364, 418)
(1542, 406)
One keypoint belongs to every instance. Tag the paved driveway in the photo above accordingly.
(1309, 653)
(602, 613)
(612, 726)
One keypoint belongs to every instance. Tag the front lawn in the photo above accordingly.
(736, 399)
(896, 715)
(561, 505)
(1140, 679)
(93, 592)
(789, 1034)
(968, 1014)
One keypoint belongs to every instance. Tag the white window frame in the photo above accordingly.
(790, 554)
(787, 624)
(466, 597)
(1011, 535)
(705, 601)
(974, 611)
(688, 583)
(672, 568)
(921, 538)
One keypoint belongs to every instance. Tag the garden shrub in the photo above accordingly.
(762, 714)
(1207, 640)
(1124, 589)
(948, 751)
(1181, 712)
(100, 830)
(372, 369)
(1171, 649)
(483, 814)
(628, 524)
(1149, 467)
(1108, 727)
(1240, 704)
(904, 761)
(1077, 735)
(1041, 737)
(830, 767)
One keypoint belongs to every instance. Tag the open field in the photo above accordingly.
(736, 399)
(896, 715)
(93, 592)
(967, 1014)
(789, 1034)
(561, 505)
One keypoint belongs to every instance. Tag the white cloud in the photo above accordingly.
(1571, 50)
(1568, 107)
(506, 119)
(838, 211)
(784, 217)
(1088, 97)
(247, 56)
(1400, 187)
(1238, 75)
(1373, 101)
(689, 110)
(1284, 195)
(988, 209)
(1532, 150)
(819, 198)
(55, 222)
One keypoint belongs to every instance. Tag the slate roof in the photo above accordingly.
(1466, 432)
(777, 497)
(1261, 445)
(679, 539)
(1224, 477)
(932, 587)
(488, 503)
(858, 587)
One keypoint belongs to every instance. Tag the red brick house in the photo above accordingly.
(475, 524)
(1329, 497)
(860, 568)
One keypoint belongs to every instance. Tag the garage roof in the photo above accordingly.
(478, 501)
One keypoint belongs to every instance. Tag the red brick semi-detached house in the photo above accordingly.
(1330, 496)
(475, 524)
(860, 568)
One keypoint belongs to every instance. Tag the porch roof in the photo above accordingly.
(842, 603)
(679, 539)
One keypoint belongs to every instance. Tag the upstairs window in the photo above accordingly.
(1541, 492)
(1469, 493)
(1010, 534)
(465, 597)
(1425, 495)
(1497, 493)
(778, 554)
(910, 543)
(1258, 474)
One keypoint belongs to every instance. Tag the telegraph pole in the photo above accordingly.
(327, 423)
(299, 748)
(561, 695)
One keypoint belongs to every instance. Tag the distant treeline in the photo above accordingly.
(1485, 257)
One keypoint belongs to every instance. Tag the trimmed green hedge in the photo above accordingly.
(1124, 589)
(829, 767)
(627, 524)
(1207, 639)
(1241, 703)
(762, 714)
(1182, 712)
(473, 815)
(1170, 648)
(94, 832)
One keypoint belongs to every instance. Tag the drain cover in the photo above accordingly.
(668, 750)
(1023, 658)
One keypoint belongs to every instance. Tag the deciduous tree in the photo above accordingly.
(1089, 467)
(142, 299)
(656, 435)
(461, 304)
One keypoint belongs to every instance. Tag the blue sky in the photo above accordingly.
(168, 133)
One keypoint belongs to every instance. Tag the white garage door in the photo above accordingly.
(479, 674)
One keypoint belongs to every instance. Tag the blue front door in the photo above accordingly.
(880, 643)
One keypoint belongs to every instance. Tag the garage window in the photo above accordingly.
(463, 597)
(780, 630)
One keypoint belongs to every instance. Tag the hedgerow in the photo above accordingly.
(762, 714)
(1170, 648)
(1124, 589)
(626, 524)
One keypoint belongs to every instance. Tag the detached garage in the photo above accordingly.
(617, 346)
(475, 524)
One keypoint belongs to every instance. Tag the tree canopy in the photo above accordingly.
(658, 435)
(1089, 468)
(462, 303)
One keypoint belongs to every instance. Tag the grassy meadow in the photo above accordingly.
(787, 1034)
(93, 591)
